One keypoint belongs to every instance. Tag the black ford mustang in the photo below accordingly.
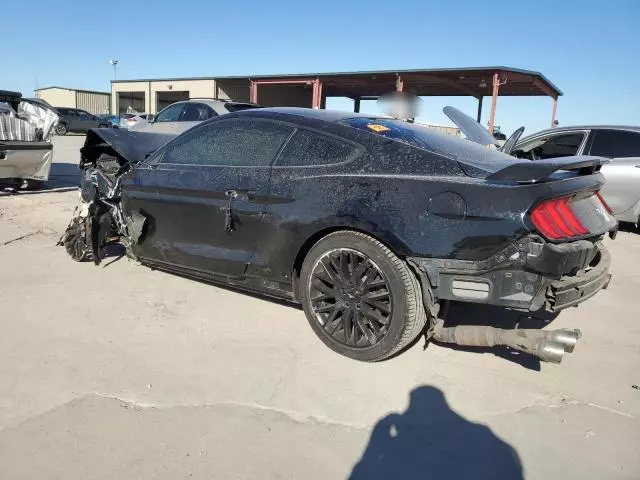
(370, 223)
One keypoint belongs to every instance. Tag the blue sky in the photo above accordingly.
(589, 49)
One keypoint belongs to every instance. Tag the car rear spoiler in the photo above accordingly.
(531, 171)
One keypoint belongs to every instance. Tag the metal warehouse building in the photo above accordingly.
(89, 100)
(312, 89)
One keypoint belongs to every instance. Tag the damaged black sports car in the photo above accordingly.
(370, 223)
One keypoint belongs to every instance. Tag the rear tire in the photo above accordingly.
(62, 129)
(360, 299)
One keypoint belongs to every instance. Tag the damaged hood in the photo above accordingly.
(132, 146)
(477, 133)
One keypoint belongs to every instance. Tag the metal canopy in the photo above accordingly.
(471, 82)
(475, 82)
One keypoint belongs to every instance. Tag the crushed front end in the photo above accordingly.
(106, 158)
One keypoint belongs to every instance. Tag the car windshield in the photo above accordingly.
(465, 151)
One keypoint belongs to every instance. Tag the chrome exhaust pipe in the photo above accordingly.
(548, 346)
(549, 351)
(568, 338)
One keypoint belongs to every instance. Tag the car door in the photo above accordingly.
(167, 121)
(74, 119)
(622, 189)
(194, 113)
(83, 121)
(211, 186)
(552, 145)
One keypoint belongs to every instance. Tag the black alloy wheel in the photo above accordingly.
(350, 298)
(61, 129)
(360, 299)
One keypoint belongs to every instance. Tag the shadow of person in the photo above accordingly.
(431, 441)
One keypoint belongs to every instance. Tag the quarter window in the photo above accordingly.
(616, 144)
(308, 148)
(230, 142)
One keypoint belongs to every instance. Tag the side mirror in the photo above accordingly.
(150, 118)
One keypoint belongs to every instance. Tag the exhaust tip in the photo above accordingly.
(568, 338)
(550, 351)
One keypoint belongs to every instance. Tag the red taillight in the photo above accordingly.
(606, 205)
(555, 219)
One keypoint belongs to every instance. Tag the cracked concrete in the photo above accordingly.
(120, 372)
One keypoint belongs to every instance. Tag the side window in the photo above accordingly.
(616, 144)
(230, 142)
(171, 113)
(562, 145)
(308, 148)
(197, 112)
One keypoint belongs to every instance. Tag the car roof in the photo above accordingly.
(212, 101)
(312, 113)
(629, 128)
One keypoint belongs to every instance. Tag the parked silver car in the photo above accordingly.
(619, 143)
(180, 116)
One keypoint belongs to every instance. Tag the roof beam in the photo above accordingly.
(455, 85)
(545, 88)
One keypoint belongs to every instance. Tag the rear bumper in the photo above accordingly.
(570, 291)
(22, 159)
(527, 275)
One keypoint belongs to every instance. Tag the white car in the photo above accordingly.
(128, 120)
(181, 116)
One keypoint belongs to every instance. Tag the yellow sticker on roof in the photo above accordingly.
(378, 128)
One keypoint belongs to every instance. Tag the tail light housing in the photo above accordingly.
(555, 219)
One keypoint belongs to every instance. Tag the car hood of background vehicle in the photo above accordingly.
(133, 146)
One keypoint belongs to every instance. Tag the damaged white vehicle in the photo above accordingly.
(26, 152)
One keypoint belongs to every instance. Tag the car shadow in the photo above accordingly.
(235, 289)
(431, 441)
(463, 313)
(628, 227)
(112, 253)
(63, 175)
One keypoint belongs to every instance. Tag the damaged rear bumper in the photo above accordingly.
(24, 159)
(528, 275)
(570, 291)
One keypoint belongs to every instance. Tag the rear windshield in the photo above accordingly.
(450, 146)
(236, 107)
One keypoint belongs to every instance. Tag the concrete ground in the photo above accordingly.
(119, 371)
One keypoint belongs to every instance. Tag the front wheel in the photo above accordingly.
(61, 129)
(360, 298)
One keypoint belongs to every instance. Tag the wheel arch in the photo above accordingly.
(387, 238)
